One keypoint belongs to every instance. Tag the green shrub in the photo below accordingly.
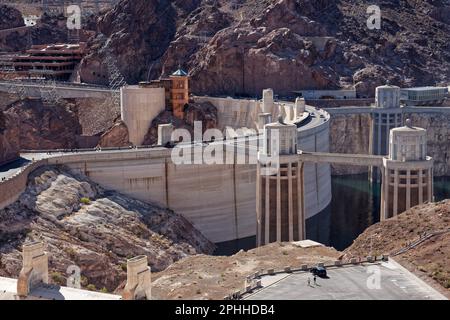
(91, 287)
(85, 201)
(104, 290)
(57, 278)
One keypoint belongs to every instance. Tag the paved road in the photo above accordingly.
(349, 283)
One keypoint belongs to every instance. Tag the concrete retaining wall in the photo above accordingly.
(11, 189)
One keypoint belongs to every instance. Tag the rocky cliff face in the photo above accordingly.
(42, 126)
(438, 137)
(117, 136)
(205, 113)
(10, 18)
(97, 230)
(245, 46)
(349, 134)
(9, 139)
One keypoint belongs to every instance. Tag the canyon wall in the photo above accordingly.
(349, 133)
(438, 131)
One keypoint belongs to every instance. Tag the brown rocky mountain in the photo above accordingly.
(10, 18)
(244, 46)
(9, 138)
(39, 126)
(92, 228)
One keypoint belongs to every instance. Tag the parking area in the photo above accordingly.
(378, 281)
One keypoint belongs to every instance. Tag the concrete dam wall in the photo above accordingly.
(220, 200)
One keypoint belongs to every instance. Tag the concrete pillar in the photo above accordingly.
(408, 189)
(430, 185)
(301, 202)
(34, 268)
(267, 211)
(278, 227)
(395, 195)
(382, 202)
(291, 204)
(379, 134)
(291, 113)
(268, 101)
(258, 205)
(263, 119)
(139, 281)
(420, 182)
(164, 134)
(300, 107)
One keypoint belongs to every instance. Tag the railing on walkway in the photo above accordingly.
(253, 281)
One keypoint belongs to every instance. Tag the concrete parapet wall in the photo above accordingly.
(11, 189)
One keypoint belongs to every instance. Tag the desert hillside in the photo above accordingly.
(206, 277)
(430, 258)
(247, 45)
(95, 229)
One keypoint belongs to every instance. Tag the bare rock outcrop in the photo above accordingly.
(9, 139)
(10, 18)
(349, 134)
(438, 137)
(42, 126)
(204, 112)
(116, 136)
(95, 229)
(241, 47)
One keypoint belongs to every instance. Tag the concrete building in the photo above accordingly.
(139, 106)
(176, 89)
(424, 96)
(55, 61)
(280, 209)
(386, 115)
(179, 92)
(407, 172)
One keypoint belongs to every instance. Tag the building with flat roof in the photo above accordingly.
(424, 96)
(327, 94)
(52, 61)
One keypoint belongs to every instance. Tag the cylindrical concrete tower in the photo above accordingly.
(279, 201)
(387, 97)
(407, 172)
(386, 115)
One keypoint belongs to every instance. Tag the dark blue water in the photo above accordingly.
(355, 207)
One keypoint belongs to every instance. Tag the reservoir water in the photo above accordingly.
(355, 207)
